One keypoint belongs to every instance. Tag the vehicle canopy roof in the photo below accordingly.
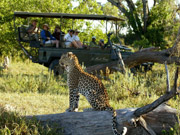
(69, 16)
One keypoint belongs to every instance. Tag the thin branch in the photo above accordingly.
(146, 126)
(175, 80)
(121, 62)
(133, 12)
(131, 5)
(159, 101)
(167, 80)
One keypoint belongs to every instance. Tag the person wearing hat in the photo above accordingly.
(57, 32)
(93, 42)
(47, 37)
(69, 40)
(76, 38)
(33, 30)
(101, 43)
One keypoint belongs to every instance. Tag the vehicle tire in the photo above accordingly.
(54, 66)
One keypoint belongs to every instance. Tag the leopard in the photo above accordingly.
(81, 82)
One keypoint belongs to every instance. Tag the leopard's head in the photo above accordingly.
(68, 60)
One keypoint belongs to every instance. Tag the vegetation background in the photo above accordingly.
(27, 88)
(161, 29)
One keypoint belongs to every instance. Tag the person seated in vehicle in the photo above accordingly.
(33, 30)
(93, 43)
(77, 39)
(57, 32)
(47, 37)
(101, 43)
(69, 40)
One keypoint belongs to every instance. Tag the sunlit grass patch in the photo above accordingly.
(36, 103)
(11, 123)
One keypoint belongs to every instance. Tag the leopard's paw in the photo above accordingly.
(69, 110)
(76, 110)
(72, 110)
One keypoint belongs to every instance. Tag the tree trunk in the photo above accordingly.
(130, 13)
(145, 12)
(99, 122)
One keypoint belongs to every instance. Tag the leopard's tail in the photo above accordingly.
(114, 124)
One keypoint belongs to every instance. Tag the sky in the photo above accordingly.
(150, 2)
(102, 1)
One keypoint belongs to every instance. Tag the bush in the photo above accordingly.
(144, 42)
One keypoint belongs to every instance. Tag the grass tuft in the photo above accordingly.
(11, 123)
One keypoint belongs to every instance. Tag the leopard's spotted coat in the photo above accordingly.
(80, 82)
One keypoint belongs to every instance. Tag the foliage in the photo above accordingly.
(11, 123)
(161, 25)
(8, 44)
(144, 42)
(173, 131)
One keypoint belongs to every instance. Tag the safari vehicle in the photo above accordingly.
(49, 55)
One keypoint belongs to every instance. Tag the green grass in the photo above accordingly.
(11, 123)
(30, 89)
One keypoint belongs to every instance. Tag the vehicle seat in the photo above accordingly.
(23, 35)
(61, 42)
(49, 45)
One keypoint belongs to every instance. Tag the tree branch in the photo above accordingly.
(167, 80)
(133, 12)
(121, 62)
(154, 3)
(162, 99)
(131, 5)
(146, 126)
(119, 5)
(156, 56)
(145, 12)
(175, 80)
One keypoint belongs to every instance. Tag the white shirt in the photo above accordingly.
(68, 38)
(76, 38)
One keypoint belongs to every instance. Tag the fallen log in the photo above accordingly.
(138, 58)
(99, 122)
